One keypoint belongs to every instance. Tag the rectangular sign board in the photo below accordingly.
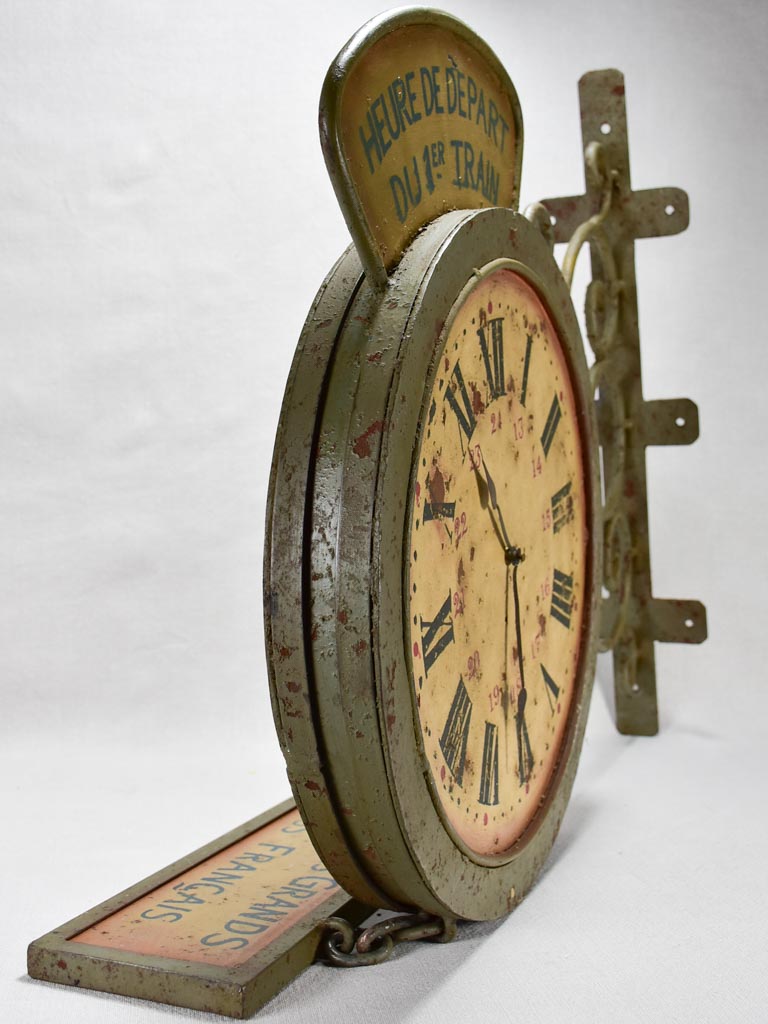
(223, 929)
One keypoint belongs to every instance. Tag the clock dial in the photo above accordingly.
(497, 562)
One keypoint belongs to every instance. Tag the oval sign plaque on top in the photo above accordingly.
(417, 117)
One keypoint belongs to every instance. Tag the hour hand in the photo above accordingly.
(482, 487)
(487, 489)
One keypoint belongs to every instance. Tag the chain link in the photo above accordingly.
(342, 947)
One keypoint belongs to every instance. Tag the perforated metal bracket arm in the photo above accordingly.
(610, 216)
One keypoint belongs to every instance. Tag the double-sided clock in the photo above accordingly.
(457, 523)
(433, 558)
(433, 568)
(433, 634)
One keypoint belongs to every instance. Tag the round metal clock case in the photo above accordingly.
(431, 567)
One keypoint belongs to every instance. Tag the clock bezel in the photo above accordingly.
(471, 885)
(529, 276)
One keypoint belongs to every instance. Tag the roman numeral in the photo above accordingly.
(439, 510)
(552, 690)
(524, 752)
(562, 598)
(489, 775)
(550, 426)
(494, 374)
(436, 635)
(526, 367)
(465, 415)
(453, 742)
(562, 508)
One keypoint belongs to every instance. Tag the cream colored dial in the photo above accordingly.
(497, 563)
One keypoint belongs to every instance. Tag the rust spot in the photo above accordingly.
(323, 324)
(290, 709)
(436, 485)
(312, 786)
(390, 721)
(314, 631)
(362, 447)
(542, 624)
(374, 357)
(370, 853)
(285, 652)
(478, 405)
(392, 304)
(359, 735)
(293, 686)
(461, 573)
(362, 319)
(618, 90)
(360, 647)
(347, 810)
(62, 964)
(342, 617)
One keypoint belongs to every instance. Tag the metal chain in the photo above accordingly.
(342, 947)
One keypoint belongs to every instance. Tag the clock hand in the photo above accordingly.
(505, 681)
(524, 754)
(487, 489)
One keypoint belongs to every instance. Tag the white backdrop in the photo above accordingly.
(165, 220)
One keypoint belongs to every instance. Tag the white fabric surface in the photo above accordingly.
(165, 219)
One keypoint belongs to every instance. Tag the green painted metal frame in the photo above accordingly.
(230, 991)
(610, 216)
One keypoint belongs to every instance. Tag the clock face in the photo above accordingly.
(497, 563)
